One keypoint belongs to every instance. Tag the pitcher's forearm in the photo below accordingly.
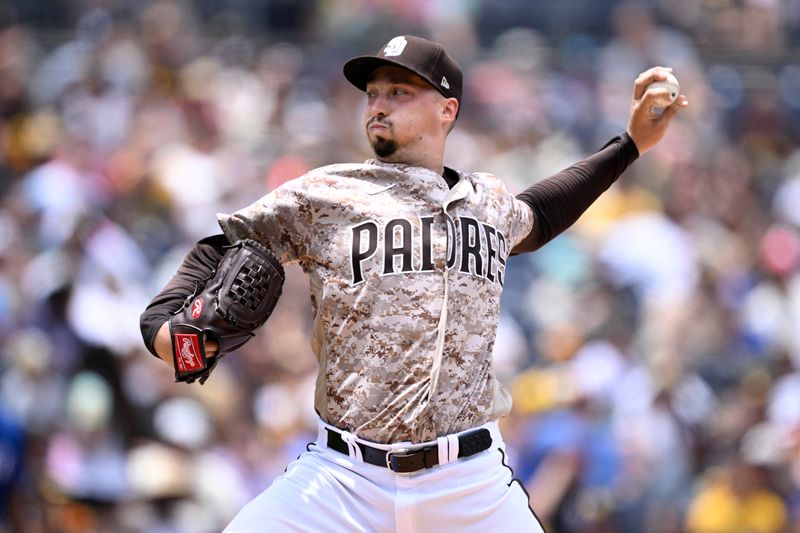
(163, 344)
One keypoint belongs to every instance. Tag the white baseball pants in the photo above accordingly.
(326, 491)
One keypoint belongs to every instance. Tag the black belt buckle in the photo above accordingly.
(405, 461)
(392, 458)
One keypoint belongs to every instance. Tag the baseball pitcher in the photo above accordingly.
(407, 260)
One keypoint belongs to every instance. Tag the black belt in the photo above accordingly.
(405, 461)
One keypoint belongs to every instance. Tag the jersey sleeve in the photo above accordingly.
(281, 221)
(521, 221)
(514, 216)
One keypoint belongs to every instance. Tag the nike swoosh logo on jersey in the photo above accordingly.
(382, 190)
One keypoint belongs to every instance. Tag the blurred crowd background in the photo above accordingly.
(653, 351)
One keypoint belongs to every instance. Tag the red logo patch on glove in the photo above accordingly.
(197, 308)
(187, 352)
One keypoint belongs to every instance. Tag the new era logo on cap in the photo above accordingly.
(421, 56)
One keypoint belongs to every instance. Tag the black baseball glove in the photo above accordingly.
(237, 299)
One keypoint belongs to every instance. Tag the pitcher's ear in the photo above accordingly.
(450, 110)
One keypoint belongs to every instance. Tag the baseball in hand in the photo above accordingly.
(671, 85)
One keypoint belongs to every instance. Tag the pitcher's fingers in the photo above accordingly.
(674, 108)
(212, 347)
(680, 102)
(656, 97)
(646, 78)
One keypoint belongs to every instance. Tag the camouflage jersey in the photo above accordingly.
(405, 278)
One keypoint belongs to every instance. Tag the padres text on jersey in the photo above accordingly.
(480, 244)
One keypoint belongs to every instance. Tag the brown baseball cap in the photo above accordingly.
(421, 56)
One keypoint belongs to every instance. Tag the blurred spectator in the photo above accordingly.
(736, 498)
(12, 458)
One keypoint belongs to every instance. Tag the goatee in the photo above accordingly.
(384, 147)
